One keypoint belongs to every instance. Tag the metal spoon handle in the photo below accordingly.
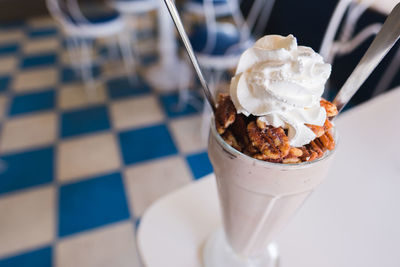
(179, 26)
(383, 42)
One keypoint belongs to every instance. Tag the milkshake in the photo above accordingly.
(271, 144)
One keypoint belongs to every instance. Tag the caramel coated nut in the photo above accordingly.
(256, 139)
(295, 152)
(327, 125)
(238, 129)
(291, 160)
(318, 130)
(231, 140)
(262, 125)
(331, 109)
(271, 142)
(328, 141)
(225, 113)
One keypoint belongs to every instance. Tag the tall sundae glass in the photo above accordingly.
(260, 188)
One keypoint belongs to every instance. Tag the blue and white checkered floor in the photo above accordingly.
(77, 174)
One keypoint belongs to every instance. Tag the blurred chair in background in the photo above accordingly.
(170, 73)
(135, 6)
(388, 75)
(348, 42)
(130, 9)
(82, 30)
(219, 44)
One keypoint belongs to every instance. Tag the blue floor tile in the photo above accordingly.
(26, 169)
(39, 60)
(8, 49)
(85, 120)
(41, 257)
(4, 83)
(146, 143)
(170, 102)
(121, 87)
(68, 74)
(32, 102)
(91, 203)
(199, 164)
(42, 32)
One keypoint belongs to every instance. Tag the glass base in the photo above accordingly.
(217, 253)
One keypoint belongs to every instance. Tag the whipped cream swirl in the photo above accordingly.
(282, 83)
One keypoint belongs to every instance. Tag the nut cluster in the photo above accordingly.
(265, 142)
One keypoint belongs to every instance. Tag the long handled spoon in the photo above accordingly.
(179, 26)
(383, 42)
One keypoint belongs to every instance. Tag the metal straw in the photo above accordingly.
(179, 26)
(383, 42)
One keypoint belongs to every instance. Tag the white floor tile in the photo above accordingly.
(75, 95)
(41, 45)
(87, 156)
(28, 131)
(136, 112)
(35, 80)
(109, 246)
(188, 134)
(8, 64)
(148, 182)
(3, 106)
(11, 36)
(27, 220)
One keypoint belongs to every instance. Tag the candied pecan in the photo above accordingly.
(238, 129)
(225, 113)
(263, 157)
(291, 160)
(272, 142)
(306, 153)
(261, 124)
(317, 148)
(250, 149)
(295, 152)
(331, 109)
(293, 156)
(313, 156)
(318, 130)
(231, 140)
(327, 141)
(320, 145)
(327, 125)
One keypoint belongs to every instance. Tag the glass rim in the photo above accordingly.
(237, 154)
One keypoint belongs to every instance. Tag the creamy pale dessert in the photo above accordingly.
(274, 114)
(275, 111)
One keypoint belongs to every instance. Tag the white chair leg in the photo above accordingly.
(86, 69)
(124, 41)
(185, 96)
(334, 22)
(133, 37)
(112, 46)
(73, 53)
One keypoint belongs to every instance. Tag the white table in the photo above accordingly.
(352, 220)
